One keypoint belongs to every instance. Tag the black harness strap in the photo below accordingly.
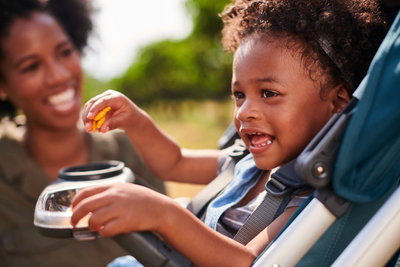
(280, 188)
(199, 203)
(262, 216)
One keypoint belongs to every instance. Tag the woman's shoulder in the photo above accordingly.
(12, 130)
(13, 156)
(111, 145)
(113, 140)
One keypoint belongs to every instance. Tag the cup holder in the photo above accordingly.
(92, 171)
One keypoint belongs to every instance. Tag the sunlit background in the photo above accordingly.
(166, 56)
(123, 26)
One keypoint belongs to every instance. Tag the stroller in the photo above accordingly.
(352, 217)
(366, 174)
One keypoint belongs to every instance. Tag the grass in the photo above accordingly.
(193, 125)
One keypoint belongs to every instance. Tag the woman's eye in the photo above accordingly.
(66, 52)
(237, 95)
(30, 67)
(268, 94)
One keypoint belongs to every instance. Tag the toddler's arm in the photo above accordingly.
(159, 151)
(124, 208)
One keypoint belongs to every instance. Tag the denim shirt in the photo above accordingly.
(246, 176)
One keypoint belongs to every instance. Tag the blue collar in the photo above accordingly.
(246, 176)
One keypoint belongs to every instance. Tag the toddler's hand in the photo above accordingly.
(120, 208)
(107, 111)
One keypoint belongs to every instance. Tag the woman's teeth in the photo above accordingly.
(64, 100)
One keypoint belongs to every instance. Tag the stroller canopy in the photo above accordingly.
(368, 163)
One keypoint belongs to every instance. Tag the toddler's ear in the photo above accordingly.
(340, 98)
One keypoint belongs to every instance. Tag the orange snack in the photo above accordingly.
(102, 113)
(100, 122)
(100, 118)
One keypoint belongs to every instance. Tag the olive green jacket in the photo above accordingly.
(22, 181)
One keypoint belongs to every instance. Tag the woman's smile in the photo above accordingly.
(64, 101)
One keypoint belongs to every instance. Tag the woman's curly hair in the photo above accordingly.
(75, 17)
(340, 36)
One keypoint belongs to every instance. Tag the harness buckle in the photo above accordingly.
(278, 189)
(284, 181)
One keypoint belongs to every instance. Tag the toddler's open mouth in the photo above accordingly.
(260, 139)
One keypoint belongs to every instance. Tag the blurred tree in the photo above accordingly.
(193, 68)
(93, 87)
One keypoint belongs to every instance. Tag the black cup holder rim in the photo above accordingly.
(92, 171)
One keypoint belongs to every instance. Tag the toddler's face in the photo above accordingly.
(278, 107)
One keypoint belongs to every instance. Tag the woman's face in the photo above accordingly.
(41, 72)
(278, 107)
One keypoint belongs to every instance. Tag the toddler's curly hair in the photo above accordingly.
(339, 36)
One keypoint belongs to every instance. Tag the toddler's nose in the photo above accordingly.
(247, 111)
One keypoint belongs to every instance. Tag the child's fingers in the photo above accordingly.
(117, 121)
(101, 217)
(90, 204)
(93, 125)
(112, 228)
(92, 109)
(85, 111)
(99, 112)
(87, 192)
(97, 108)
(87, 107)
(99, 119)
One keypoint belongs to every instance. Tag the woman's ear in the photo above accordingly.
(3, 95)
(340, 98)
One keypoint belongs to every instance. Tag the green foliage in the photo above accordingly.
(93, 87)
(205, 16)
(193, 68)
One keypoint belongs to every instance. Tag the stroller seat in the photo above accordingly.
(364, 176)
(366, 173)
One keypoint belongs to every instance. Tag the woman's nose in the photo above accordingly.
(56, 74)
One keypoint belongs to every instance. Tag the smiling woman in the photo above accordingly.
(41, 75)
(42, 72)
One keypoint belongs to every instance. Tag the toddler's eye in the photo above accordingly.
(237, 95)
(268, 93)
